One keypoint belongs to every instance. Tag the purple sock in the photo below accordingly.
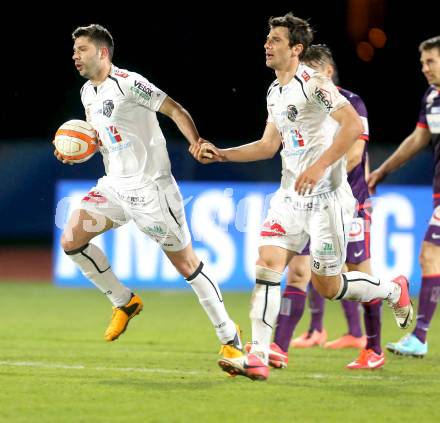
(372, 316)
(291, 311)
(316, 304)
(428, 299)
(351, 311)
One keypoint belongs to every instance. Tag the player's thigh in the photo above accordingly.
(83, 226)
(430, 258)
(100, 210)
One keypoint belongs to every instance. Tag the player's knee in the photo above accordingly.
(68, 243)
(327, 292)
(267, 274)
(269, 263)
(327, 287)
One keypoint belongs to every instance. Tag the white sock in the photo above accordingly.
(359, 286)
(265, 306)
(94, 265)
(211, 300)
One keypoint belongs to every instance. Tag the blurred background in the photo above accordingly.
(209, 58)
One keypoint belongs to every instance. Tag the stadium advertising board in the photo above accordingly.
(225, 219)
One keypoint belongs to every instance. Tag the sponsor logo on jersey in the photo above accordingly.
(324, 97)
(297, 139)
(142, 89)
(305, 76)
(433, 120)
(107, 107)
(121, 74)
(292, 112)
(113, 134)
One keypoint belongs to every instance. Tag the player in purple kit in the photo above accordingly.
(426, 130)
(319, 57)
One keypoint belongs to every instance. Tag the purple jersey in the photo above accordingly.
(356, 177)
(429, 118)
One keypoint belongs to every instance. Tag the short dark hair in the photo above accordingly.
(430, 44)
(99, 35)
(321, 54)
(300, 32)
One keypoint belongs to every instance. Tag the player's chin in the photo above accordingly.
(269, 64)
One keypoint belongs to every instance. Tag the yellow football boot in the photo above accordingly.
(121, 316)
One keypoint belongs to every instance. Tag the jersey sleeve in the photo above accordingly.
(321, 91)
(361, 109)
(422, 121)
(143, 92)
(269, 116)
(269, 112)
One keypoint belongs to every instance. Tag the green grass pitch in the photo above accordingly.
(56, 367)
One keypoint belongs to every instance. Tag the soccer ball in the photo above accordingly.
(76, 141)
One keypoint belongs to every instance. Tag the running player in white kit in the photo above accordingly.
(314, 201)
(138, 185)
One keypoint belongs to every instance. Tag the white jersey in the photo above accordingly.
(301, 112)
(123, 111)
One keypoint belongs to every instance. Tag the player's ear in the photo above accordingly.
(103, 52)
(297, 49)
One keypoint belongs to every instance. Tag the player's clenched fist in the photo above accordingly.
(209, 153)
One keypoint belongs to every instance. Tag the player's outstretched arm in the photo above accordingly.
(410, 146)
(264, 148)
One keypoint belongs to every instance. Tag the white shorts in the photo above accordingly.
(324, 219)
(157, 210)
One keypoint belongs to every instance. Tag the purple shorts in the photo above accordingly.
(432, 234)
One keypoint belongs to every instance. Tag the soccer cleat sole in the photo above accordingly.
(396, 352)
(233, 371)
(277, 364)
